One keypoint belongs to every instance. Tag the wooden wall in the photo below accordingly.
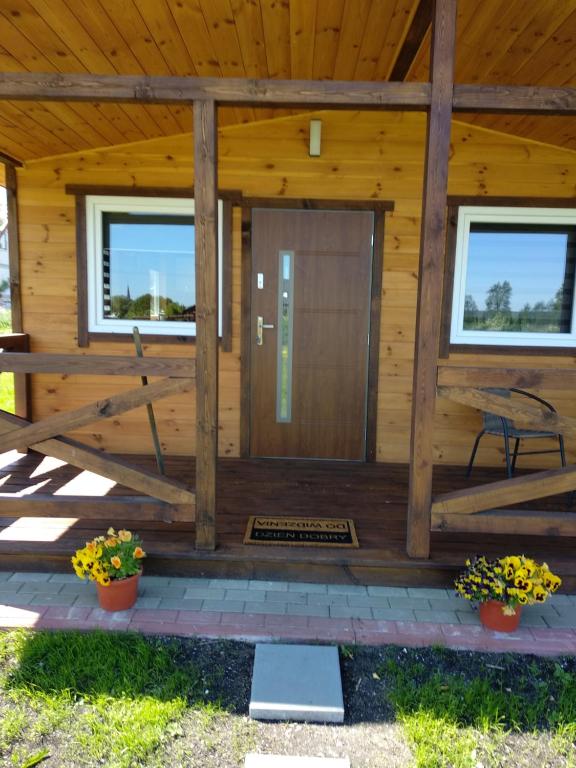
(364, 156)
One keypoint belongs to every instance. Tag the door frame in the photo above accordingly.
(379, 208)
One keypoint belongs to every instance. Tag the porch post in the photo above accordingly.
(206, 234)
(432, 239)
(21, 380)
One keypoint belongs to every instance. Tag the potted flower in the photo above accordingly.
(501, 587)
(114, 562)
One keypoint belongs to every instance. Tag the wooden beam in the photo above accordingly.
(14, 248)
(22, 404)
(102, 409)
(8, 160)
(522, 378)
(121, 508)
(418, 28)
(206, 231)
(504, 492)
(513, 201)
(233, 196)
(14, 342)
(114, 468)
(97, 365)
(432, 237)
(81, 272)
(226, 342)
(322, 94)
(317, 204)
(527, 100)
(508, 521)
(523, 415)
(33, 86)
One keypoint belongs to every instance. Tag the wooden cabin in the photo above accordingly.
(335, 225)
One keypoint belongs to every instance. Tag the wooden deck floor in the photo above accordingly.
(373, 495)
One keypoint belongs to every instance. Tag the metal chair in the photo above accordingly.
(503, 427)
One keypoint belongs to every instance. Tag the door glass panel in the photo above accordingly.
(285, 334)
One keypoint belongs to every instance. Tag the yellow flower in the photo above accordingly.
(124, 535)
(551, 581)
(111, 542)
(94, 549)
(139, 552)
(539, 594)
(522, 597)
(111, 532)
(523, 584)
(116, 562)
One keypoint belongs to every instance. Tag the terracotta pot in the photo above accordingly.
(119, 595)
(492, 616)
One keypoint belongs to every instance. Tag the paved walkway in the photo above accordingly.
(260, 611)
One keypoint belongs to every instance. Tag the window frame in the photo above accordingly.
(461, 213)
(230, 198)
(96, 206)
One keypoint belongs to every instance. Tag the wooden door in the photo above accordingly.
(310, 310)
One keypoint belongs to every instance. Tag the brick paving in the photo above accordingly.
(260, 611)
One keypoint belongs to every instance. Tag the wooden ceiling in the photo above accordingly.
(529, 42)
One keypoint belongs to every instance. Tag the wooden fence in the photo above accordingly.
(163, 499)
(483, 509)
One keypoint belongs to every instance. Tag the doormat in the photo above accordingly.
(301, 531)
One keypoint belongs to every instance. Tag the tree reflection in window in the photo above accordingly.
(148, 267)
(520, 278)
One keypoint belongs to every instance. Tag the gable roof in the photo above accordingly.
(498, 42)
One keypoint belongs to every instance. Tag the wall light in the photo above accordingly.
(315, 137)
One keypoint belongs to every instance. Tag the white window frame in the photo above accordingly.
(96, 205)
(468, 215)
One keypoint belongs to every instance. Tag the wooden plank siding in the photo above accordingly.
(365, 156)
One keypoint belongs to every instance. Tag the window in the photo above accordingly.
(141, 265)
(514, 277)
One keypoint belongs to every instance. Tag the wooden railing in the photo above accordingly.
(482, 509)
(165, 499)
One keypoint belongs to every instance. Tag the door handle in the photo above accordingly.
(260, 326)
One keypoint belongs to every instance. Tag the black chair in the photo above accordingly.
(500, 426)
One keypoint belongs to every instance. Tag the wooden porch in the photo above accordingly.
(375, 496)
(394, 507)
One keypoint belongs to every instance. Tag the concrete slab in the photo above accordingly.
(297, 682)
(287, 761)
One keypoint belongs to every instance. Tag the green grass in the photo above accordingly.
(450, 712)
(6, 379)
(5, 321)
(7, 392)
(108, 698)
(121, 700)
